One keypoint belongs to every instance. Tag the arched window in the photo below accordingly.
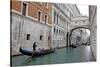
(24, 9)
(39, 16)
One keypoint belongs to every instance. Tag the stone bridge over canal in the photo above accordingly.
(78, 23)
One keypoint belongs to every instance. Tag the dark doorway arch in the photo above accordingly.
(72, 32)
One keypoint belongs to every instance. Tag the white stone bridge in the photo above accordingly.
(77, 23)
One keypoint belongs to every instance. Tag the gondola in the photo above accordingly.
(74, 46)
(36, 53)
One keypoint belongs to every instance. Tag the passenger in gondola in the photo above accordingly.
(34, 46)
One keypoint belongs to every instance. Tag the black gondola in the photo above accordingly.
(74, 46)
(36, 53)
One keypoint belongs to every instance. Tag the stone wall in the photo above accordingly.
(93, 28)
(22, 26)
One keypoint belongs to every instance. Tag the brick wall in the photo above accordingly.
(33, 8)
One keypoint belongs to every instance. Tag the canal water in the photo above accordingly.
(62, 55)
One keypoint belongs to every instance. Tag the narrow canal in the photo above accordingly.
(63, 55)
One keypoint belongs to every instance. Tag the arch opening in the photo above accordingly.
(79, 36)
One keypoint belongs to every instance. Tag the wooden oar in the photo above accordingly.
(30, 58)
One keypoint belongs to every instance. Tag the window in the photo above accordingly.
(57, 18)
(28, 37)
(57, 31)
(48, 37)
(76, 22)
(54, 16)
(41, 37)
(24, 9)
(39, 16)
(54, 29)
(83, 21)
(45, 18)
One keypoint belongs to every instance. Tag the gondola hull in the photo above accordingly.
(36, 53)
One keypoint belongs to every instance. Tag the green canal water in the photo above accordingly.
(63, 55)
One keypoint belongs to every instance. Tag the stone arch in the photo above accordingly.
(75, 29)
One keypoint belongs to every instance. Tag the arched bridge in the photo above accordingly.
(78, 22)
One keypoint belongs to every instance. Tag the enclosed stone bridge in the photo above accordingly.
(77, 23)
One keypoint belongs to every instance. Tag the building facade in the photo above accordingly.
(59, 22)
(30, 22)
(61, 18)
(93, 28)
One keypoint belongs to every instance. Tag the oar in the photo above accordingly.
(30, 58)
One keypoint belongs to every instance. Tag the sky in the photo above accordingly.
(83, 9)
(88, 31)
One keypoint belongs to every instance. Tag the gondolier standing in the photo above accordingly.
(34, 46)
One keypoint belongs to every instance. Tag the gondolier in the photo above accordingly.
(34, 46)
